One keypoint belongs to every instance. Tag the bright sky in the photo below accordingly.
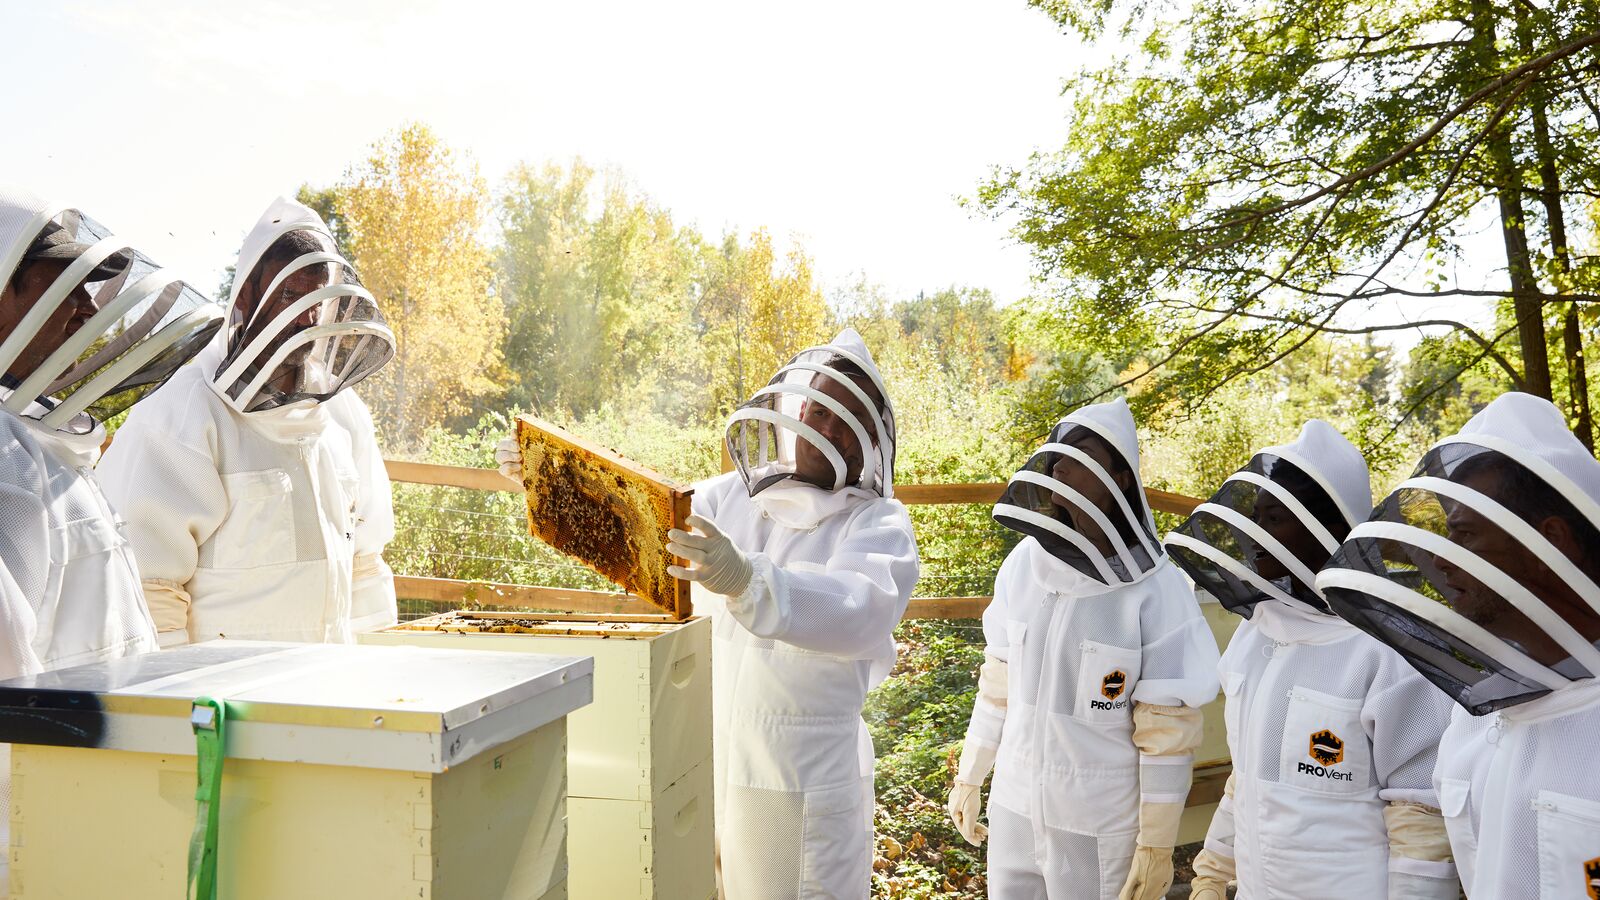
(849, 126)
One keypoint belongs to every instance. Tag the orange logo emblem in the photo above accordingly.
(1327, 748)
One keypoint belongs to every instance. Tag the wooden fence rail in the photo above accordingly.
(450, 593)
(909, 494)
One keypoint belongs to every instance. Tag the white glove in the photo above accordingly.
(508, 456)
(719, 566)
(966, 801)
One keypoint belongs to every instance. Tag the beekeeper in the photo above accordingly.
(87, 326)
(256, 497)
(804, 561)
(1501, 523)
(1332, 735)
(1096, 665)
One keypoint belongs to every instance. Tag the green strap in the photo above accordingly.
(209, 719)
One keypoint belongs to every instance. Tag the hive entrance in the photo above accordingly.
(605, 511)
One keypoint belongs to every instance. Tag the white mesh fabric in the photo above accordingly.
(1165, 779)
(1297, 816)
(1404, 713)
(1534, 798)
(761, 846)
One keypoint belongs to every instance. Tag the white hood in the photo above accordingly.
(764, 432)
(1329, 457)
(281, 351)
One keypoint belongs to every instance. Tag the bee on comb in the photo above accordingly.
(604, 510)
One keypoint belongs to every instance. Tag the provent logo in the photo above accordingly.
(1591, 877)
(1111, 688)
(1327, 749)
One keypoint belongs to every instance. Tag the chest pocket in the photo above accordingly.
(1233, 703)
(260, 527)
(86, 537)
(1569, 845)
(1106, 676)
(1324, 748)
(1455, 802)
(349, 490)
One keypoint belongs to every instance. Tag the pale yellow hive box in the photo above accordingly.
(351, 772)
(639, 814)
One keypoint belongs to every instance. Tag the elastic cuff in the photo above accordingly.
(1219, 848)
(166, 640)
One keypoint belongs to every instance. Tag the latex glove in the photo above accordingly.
(1212, 872)
(1150, 876)
(719, 566)
(966, 801)
(508, 456)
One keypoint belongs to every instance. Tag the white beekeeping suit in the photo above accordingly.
(256, 497)
(1332, 735)
(805, 562)
(1481, 571)
(87, 327)
(1097, 661)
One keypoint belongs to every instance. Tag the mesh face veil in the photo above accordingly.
(300, 325)
(1482, 568)
(824, 419)
(1272, 525)
(95, 325)
(1068, 497)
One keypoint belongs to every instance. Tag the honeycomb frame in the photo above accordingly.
(604, 510)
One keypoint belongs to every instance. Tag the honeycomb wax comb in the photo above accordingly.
(604, 510)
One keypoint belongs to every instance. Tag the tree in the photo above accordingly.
(756, 315)
(412, 213)
(1276, 165)
(599, 300)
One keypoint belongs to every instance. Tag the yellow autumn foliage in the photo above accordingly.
(414, 211)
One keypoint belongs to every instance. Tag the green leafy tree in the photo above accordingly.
(1265, 168)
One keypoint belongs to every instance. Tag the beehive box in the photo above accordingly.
(355, 772)
(605, 511)
(639, 757)
(650, 722)
(653, 849)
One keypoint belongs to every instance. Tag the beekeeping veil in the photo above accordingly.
(300, 325)
(824, 418)
(144, 325)
(1272, 524)
(1481, 568)
(1052, 497)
